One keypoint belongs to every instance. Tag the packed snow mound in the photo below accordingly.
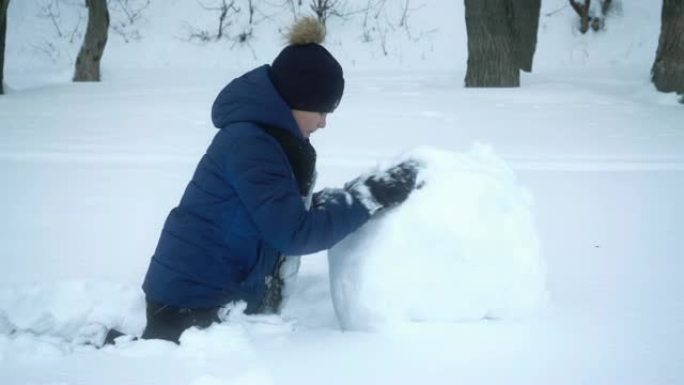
(462, 247)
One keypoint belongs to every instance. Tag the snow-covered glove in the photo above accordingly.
(385, 189)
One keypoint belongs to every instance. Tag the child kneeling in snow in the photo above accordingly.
(250, 202)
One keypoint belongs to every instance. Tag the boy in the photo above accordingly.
(250, 202)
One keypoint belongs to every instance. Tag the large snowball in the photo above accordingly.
(462, 247)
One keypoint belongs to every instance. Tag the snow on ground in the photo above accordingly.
(89, 172)
(84, 204)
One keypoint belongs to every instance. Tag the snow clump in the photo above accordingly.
(463, 247)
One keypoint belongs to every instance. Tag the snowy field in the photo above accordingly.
(90, 171)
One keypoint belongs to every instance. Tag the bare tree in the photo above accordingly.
(246, 33)
(228, 13)
(589, 17)
(51, 10)
(251, 9)
(325, 8)
(375, 24)
(668, 69)
(222, 17)
(88, 61)
(502, 36)
(127, 16)
(3, 32)
(294, 5)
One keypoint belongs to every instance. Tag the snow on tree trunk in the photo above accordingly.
(3, 32)
(492, 59)
(88, 61)
(668, 69)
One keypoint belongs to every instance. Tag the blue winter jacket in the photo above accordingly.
(242, 208)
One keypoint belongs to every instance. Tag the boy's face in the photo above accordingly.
(309, 121)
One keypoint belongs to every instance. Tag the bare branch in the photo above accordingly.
(583, 12)
(77, 27)
(50, 10)
(230, 17)
(131, 12)
(326, 8)
(404, 13)
(605, 6)
(556, 11)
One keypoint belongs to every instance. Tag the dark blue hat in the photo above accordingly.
(305, 74)
(308, 77)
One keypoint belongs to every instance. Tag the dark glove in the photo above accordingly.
(387, 188)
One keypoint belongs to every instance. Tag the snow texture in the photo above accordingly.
(73, 312)
(463, 247)
(89, 171)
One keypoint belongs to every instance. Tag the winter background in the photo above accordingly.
(89, 172)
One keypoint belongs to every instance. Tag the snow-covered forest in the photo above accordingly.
(544, 248)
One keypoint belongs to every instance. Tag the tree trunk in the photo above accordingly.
(88, 61)
(668, 69)
(3, 32)
(526, 22)
(492, 60)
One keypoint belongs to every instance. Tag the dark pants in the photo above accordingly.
(168, 322)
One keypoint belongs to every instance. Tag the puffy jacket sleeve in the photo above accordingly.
(258, 170)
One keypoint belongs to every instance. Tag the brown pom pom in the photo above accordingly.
(307, 30)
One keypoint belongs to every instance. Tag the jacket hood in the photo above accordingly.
(253, 98)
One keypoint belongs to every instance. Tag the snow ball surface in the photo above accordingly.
(463, 247)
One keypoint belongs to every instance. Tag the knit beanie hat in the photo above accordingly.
(305, 74)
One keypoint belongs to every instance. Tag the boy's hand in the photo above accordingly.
(387, 188)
